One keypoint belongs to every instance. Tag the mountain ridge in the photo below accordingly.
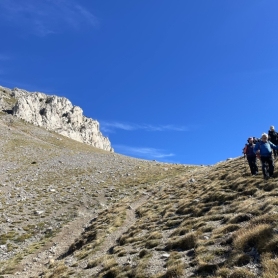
(53, 113)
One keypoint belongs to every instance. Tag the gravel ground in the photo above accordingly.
(50, 187)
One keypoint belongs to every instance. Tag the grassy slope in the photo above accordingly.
(47, 179)
(152, 219)
(221, 224)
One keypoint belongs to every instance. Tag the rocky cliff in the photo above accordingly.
(53, 113)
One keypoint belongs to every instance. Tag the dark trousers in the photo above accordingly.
(267, 162)
(252, 161)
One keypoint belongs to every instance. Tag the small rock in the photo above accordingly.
(51, 261)
(3, 247)
(38, 212)
(48, 230)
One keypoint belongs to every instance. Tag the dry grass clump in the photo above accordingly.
(93, 263)
(235, 273)
(272, 245)
(226, 229)
(174, 265)
(112, 272)
(155, 235)
(241, 217)
(175, 270)
(86, 237)
(108, 262)
(144, 253)
(271, 219)
(185, 209)
(152, 243)
(172, 223)
(220, 197)
(242, 273)
(126, 238)
(253, 236)
(57, 270)
(183, 242)
(223, 272)
(11, 265)
(270, 265)
(180, 231)
(240, 259)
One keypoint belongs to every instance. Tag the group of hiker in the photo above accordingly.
(264, 148)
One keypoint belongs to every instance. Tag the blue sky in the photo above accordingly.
(173, 81)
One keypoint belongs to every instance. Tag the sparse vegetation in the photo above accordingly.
(72, 210)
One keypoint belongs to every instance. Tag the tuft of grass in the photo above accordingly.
(270, 265)
(240, 218)
(152, 243)
(241, 259)
(155, 235)
(254, 236)
(272, 245)
(182, 243)
(242, 273)
(58, 270)
(93, 263)
(12, 265)
(144, 253)
(223, 272)
(175, 270)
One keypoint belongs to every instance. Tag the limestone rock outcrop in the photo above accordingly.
(59, 115)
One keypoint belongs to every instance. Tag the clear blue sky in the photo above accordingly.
(173, 81)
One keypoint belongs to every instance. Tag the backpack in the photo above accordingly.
(245, 149)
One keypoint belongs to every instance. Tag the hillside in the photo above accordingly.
(71, 210)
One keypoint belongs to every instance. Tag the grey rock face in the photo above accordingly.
(59, 115)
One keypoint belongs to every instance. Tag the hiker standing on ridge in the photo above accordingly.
(264, 149)
(273, 138)
(251, 156)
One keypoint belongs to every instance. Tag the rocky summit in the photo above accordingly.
(53, 113)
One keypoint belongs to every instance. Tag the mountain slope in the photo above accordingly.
(71, 210)
(48, 180)
(206, 222)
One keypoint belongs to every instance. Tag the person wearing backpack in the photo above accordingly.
(264, 149)
(251, 156)
(273, 138)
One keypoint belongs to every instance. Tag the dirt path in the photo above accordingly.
(34, 264)
(111, 239)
